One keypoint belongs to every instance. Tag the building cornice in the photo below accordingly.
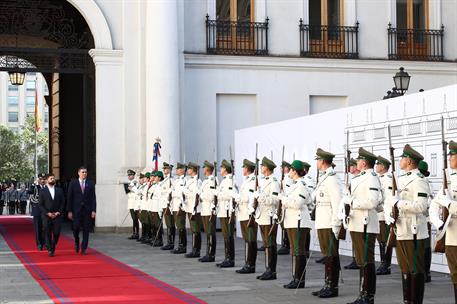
(205, 61)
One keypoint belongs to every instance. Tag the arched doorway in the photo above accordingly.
(51, 37)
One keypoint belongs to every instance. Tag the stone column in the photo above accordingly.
(110, 137)
(162, 79)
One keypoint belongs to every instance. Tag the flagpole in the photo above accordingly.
(36, 125)
(36, 153)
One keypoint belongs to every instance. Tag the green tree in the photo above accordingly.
(27, 137)
(14, 161)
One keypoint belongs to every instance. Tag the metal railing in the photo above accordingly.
(329, 41)
(236, 37)
(414, 44)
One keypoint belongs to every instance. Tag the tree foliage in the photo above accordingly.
(17, 152)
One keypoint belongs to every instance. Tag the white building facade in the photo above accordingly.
(164, 69)
(18, 102)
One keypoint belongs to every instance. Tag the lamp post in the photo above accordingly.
(401, 81)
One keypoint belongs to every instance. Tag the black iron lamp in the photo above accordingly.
(401, 81)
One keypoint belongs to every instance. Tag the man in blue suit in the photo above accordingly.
(36, 211)
(81, 207)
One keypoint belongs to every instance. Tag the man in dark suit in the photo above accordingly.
(36, 211)
(81, 207)
(52, 205)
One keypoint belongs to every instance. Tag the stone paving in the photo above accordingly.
(212, 284)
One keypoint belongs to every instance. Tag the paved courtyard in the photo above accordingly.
(210, 283)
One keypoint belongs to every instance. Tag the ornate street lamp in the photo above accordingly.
(16, 77)
(401, 80)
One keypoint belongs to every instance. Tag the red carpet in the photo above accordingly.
(95, 278)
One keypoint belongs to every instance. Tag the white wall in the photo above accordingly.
(326, 130)
(283, 87)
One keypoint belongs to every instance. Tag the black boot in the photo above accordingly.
(229, 253)
(428, 264)
(352, 265)
(327, 272)
(159, 238)
(171, 232)
(285, 247)
(332, 270)
(210, 249)
(369, 284)
(271, 258)
(196, 246)
(249, 266)
(299, 272)
(406, 284)
(361, 287)
(417, 288)
(143, 233)
(384, 269)
(382, 253)
(261, 248)
(321, 260)
(182, 244)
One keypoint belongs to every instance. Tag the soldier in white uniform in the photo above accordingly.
(353, 172)
(157, 226)
(267, 197)
(131, 189)
(448, 200)
(143, 210)
(411, 224)
(226, 192)
(179, 212)
(245, 203)
(363, 223)
(328, 196)
(382, 169)
(151, 205)
(167, 186)
(286, 183)
(297, 221)
(208, 196)
(423, 168)
(193, 208)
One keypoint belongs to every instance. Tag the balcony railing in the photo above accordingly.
(413, 44)
(236, 37)
(329, 41)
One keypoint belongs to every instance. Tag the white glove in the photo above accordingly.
(391, 200)
(251, 210)
(213, 206)
(336, 231)
(445, 199)
(236, 197)
(436, 222)
(341, 212)
(388, 219)
(346, 199)
(214, 192)
(281, 197)
(256, 194)
(313, 196)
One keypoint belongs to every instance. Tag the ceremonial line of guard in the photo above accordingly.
(374, 204)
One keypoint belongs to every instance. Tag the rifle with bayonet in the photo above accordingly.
(441, 243)
(168, 210)
(392, 238)
(347, 182)
(232, 214)
(213, 211)
(279, 211)
(251, 220)
(197, 196)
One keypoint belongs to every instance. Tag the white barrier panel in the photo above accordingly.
(414, 119)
